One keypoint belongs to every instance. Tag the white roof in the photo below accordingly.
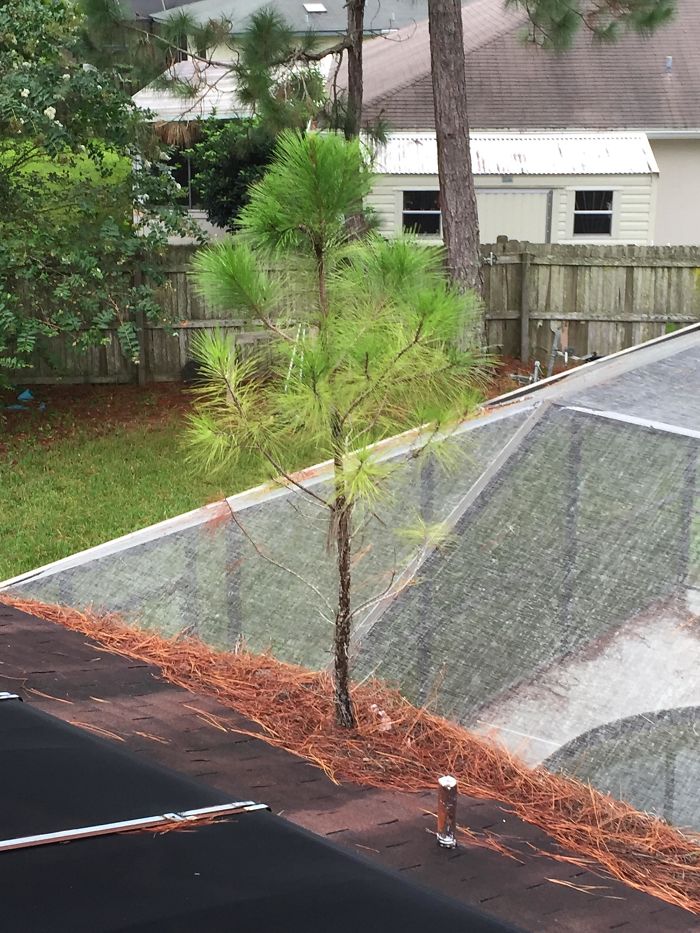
(525, 154)
(214, 94)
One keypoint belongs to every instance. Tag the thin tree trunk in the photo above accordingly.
(353, 115)
(342, 518)
(460, 221)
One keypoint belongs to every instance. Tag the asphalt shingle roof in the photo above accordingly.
(69, 676)
(515, 85)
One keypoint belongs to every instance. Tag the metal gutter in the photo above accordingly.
(608, 367)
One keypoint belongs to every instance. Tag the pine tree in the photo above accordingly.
(373, 353)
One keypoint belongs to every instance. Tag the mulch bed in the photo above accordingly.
(95, 410)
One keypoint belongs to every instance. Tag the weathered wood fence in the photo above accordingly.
(600, 299)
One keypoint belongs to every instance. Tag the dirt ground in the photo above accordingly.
(56, 412)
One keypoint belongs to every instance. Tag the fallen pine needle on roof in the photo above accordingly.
(294, 709)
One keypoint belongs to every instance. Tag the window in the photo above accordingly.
(421, 212)
(593, 212)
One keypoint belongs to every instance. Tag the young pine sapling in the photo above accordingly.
(370, 351)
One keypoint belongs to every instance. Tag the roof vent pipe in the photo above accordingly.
(668, 66)
(447, 812)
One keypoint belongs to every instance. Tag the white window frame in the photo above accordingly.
(611, 213)
(403, 213)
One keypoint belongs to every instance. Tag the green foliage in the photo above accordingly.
(373, 354)
(555, 22)
(280, 91)
(74, 165)
(303, 203)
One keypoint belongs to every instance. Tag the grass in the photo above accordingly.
(71, 480)
(99, 462)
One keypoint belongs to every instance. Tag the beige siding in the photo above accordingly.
(513, 212)
(633, 211)
(678, 209)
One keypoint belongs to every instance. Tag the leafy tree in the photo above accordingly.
(372, 353)
(554, 23)
(228, 158)
(74, 162)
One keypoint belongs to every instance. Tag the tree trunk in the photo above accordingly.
(353, 114)
(342, 515)
(460, 221)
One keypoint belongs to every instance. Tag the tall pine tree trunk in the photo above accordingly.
(353, 115)
(460, 221)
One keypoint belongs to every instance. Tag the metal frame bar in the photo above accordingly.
(312, 476)
(147, 822)
(608, 367)
(662, 426)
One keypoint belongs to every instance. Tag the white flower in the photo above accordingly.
(50, 112)
(66, 77)
(24, 92)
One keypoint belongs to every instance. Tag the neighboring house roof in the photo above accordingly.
(70, 676)
(214, 94)
(525, 154)
(512, 84)
(381, 16)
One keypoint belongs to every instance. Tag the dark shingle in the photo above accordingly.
(515, 85)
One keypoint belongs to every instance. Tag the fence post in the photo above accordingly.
(525, 308)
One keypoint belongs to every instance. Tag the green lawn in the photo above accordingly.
(68, 492)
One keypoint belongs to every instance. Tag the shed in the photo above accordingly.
(539, 187)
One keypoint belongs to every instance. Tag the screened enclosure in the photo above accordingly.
(557, 611)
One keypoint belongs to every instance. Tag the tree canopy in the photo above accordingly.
(555, 23)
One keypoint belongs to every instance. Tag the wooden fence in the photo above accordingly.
(599, 298)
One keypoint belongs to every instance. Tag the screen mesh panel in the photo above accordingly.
(560, 614)
(229, 578)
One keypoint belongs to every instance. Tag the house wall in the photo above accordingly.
(678, 209)
(536, 215)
